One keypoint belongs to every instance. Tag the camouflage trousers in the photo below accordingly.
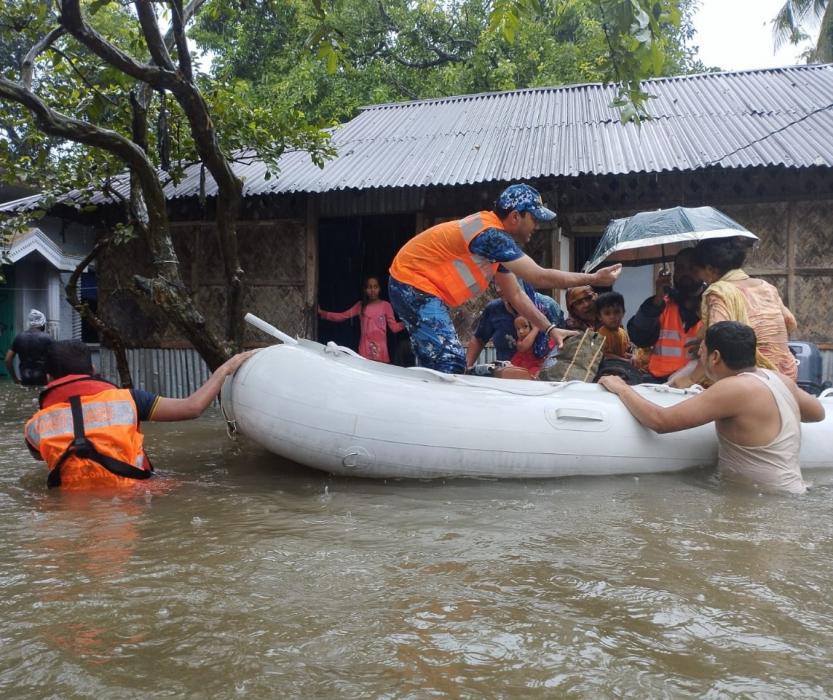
(429, 324)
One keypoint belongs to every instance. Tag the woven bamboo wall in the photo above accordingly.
(273, 257)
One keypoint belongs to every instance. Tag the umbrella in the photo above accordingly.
(655, 236)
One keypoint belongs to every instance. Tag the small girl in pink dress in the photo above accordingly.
(376, 317)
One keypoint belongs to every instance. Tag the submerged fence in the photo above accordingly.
(165, 371)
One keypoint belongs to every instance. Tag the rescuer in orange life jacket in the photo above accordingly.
(450, 263)
(669, 320)
(87, 429)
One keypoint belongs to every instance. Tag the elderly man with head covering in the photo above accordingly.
(581, 307)
(30, 347)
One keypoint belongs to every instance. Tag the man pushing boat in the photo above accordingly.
(757, 412)
(87, 430)
(452, 262)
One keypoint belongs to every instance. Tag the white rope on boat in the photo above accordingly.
(334, 349)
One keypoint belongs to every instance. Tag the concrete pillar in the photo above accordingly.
(53, 304)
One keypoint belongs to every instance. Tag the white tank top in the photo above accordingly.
(774, 467)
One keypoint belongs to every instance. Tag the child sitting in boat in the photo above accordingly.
(376, 317)
(611, 309)
(524, 355)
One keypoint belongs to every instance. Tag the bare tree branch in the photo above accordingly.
(153, 38)
(73, 21)
(27, 69)
(178, 27)
(105, 331)
(167, 288)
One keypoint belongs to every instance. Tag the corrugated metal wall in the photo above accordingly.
(174, 373)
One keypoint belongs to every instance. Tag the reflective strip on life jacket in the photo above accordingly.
(438, 260)
(90, 441)
(669, 352)
(96, 415)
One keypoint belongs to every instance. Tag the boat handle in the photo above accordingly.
(580, 414)
(269, 329)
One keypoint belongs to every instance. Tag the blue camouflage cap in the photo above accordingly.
(523, 198)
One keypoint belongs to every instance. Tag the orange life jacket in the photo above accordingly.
(438, 260)
(669, 352)
(89, 437)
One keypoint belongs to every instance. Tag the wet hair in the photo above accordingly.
(735, 342)
(68, 357)
(723, 254)
(608, 299)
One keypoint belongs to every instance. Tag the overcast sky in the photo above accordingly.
(737, 34)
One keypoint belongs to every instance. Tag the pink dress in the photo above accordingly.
(376, 318)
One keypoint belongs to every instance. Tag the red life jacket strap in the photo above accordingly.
(60, 384)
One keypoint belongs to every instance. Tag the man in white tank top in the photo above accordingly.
(757, 413)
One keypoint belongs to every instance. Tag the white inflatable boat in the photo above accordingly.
(330, 409)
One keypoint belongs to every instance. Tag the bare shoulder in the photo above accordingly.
(736, 390)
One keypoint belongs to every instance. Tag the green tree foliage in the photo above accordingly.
(386, 51)
(105, 97)
(797, 18)
(97, 88)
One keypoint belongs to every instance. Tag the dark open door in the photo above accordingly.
(350, 249)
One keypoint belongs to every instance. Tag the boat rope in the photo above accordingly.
(334, 349)
(665, 389)
(231, 424)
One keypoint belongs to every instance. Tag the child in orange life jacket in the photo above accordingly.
(524, 356)
(611, 309)
(376, 317)
(87, 430)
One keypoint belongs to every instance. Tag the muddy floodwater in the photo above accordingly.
(236, 575)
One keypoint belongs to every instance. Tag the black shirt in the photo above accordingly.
(31, 347)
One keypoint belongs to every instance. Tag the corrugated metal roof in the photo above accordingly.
(770, 117)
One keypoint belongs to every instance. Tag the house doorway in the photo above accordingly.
(349, 249)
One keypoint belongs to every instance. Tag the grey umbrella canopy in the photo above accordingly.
(655, 236)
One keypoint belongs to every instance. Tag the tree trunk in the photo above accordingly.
(105, 331)
(824, 47)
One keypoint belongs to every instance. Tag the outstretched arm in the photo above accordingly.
(192, 407)
(526, 268)
(718, 401)
(338, 316)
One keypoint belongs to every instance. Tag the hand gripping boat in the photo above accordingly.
(328, 408)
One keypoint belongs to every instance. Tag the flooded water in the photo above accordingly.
(237, 576)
